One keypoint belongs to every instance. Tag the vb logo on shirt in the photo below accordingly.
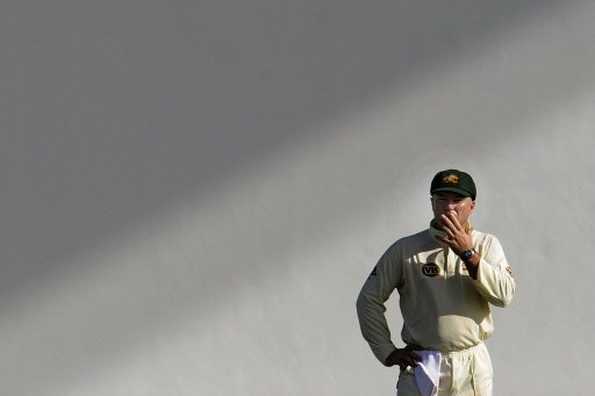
(430, 269)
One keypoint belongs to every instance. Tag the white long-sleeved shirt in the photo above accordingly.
(443, 308)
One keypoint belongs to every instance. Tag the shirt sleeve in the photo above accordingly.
(494, 275)
(381, 282)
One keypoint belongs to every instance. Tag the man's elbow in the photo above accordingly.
(361, 303)
(507, 300)
(505, 294)
(503, 301)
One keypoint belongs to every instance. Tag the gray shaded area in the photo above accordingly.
(114, 110)
(191, 185)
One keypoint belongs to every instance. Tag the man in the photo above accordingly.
(446, 276)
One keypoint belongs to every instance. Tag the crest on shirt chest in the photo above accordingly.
(430, 269)
(431, 264)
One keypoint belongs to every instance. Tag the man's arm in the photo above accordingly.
(381, 282)
(490, 272)
(494, 278)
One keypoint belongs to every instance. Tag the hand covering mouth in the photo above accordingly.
(436, 230)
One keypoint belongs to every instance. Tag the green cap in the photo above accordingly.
(454, 180)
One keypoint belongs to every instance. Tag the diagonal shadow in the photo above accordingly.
(110, 122)
(114, 165)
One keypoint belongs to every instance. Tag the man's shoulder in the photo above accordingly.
(413, 241)
(422, 235)
(483, 237)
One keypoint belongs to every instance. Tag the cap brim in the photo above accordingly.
(454, 190)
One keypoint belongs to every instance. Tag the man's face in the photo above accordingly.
(444, 202)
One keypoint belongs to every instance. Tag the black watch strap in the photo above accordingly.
(467, 254)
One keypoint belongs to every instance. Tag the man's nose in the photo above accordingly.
(451, 205)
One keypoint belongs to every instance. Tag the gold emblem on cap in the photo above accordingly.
(454, 179)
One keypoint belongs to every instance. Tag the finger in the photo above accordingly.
(411, 362)
(455, 220)
(446, 240)
(416, 357)
(449, 232)
(410, 358)
(448, 224)
(406, 361)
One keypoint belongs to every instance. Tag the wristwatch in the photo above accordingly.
(467, 254)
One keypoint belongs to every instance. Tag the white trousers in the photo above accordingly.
(462, 373)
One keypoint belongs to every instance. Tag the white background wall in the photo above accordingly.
(194, 192)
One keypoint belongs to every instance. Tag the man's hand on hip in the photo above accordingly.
(403, 357)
